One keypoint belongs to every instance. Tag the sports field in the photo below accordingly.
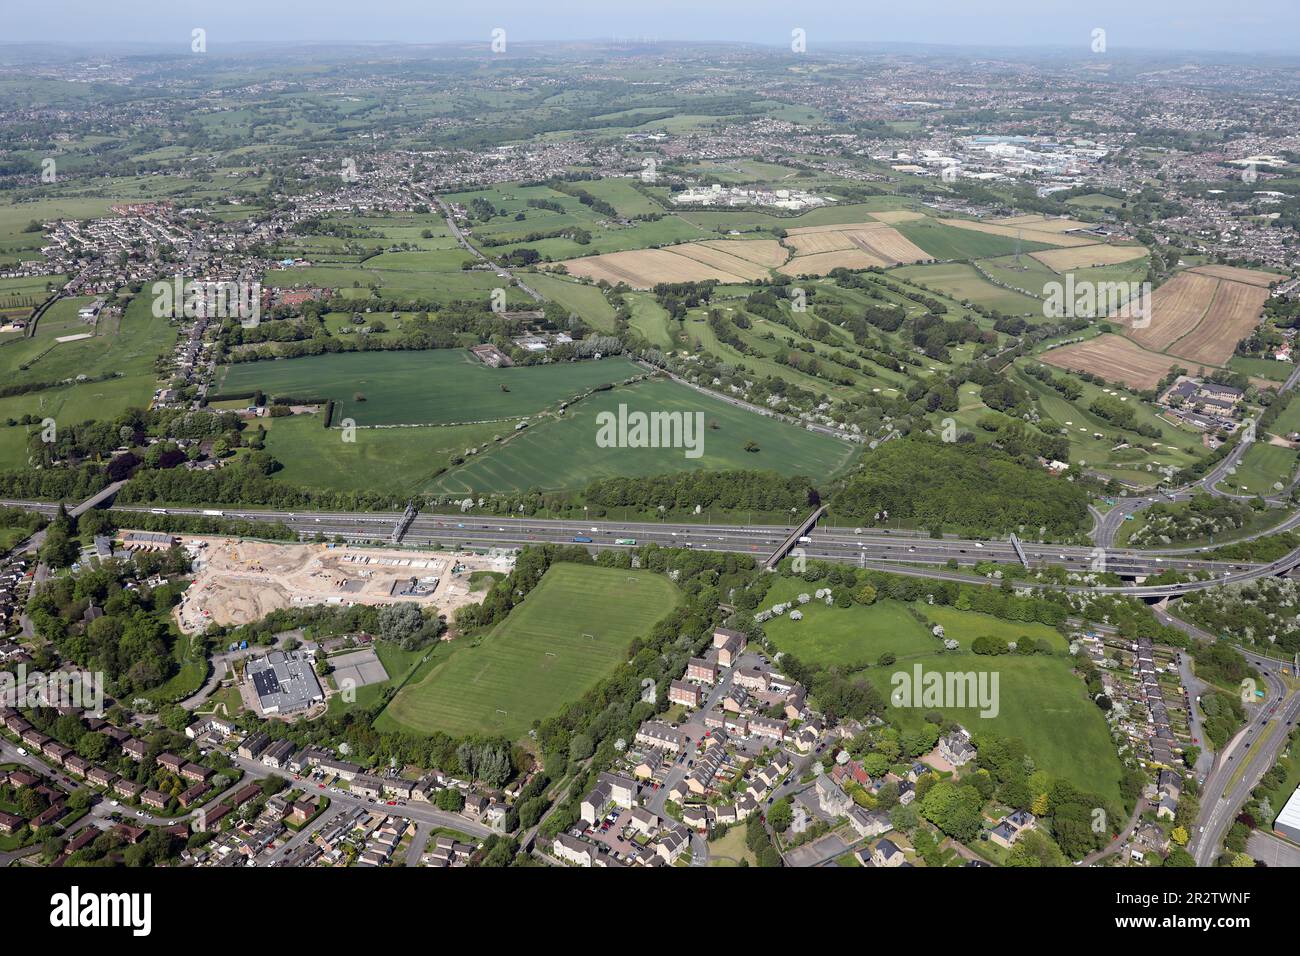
(436, 387)
(563, 454)
(573, 630)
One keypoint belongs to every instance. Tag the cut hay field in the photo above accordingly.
(1084, 257)
(822, 263)
(1049, 237)
(438, 387)
(1176, 308)
(645, 268)
(1232, 316)
(572, 630)
(1114, 358)
(854, 245)
(1201, 318)
(1237, 274)
(1043, 223)
(562, 454)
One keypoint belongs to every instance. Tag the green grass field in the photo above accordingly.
(381, 459)
(962, 282)
(1042, 703)
(1040, 700)
(1263, 467)
(573, 630)
(562, 454)
(858, 635)
(951, 242)
(436, 387)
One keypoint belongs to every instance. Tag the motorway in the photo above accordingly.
(1244, 759)
(864, 547)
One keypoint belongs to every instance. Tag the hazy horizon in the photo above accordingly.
(1267, 26)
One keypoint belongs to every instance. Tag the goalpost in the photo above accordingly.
(590, 637)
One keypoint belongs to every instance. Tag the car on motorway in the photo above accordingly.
(22, 752)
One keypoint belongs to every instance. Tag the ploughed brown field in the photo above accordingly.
(1114, 358)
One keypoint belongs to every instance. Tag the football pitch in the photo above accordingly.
(573, 630)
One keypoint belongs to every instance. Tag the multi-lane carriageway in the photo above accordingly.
(906, 552)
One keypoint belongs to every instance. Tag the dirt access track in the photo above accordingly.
(238, 581)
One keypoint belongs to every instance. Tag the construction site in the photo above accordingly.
(238, 581)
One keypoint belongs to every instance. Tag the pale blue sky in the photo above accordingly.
(1247, 25)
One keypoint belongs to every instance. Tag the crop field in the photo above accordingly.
(854, 245)
(1114, 358)
(722, 259)
(1083, 257)
(644, 268)
(763, 252)
(437, 387)
(1040, 235)
(1232, 316)
(822, 263)
(1043, 223)
(1176, 308)
(562, 454)
(572, 630)
(893, 216)
(941, 240)
(1255, 277)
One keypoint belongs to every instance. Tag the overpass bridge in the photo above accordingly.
(97, 499)
(784, 547)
